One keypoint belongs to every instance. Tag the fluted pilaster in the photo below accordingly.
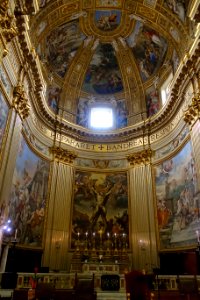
(58, 222)
(142, 218)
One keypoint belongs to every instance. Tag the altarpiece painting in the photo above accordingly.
(100, 206)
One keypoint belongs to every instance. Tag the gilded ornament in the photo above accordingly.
(138, 158)
(192, 113)
(20, 102)
(62, 155)
(7, 22)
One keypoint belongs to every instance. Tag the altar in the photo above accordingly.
(100, 268)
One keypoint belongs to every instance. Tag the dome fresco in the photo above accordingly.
(106, 49)
(149, 49)
(61, 46)
(103, 74)
(107, 20)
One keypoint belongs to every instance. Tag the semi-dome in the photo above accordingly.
(119, 55)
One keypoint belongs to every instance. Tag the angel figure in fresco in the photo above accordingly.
(178, 7)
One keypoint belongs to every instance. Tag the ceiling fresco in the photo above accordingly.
(118, 48)
(107, 20)
(149, 49)
(103, 74)
(61, 46)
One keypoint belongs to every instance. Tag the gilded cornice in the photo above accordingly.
(63, 155)
(193, 112)
(20, 102)
(140, 158)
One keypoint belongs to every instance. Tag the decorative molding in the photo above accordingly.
(20, 102)
(3, 49)
(193, 112)
(27, 7)
(138, 158)
(62, 155)
(7, 22)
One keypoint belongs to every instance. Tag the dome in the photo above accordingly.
(119, 55)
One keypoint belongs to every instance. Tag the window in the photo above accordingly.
(101, 118)
(165, 89)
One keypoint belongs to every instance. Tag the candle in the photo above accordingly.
(108, 234)
(93, 233)
(15, 234)
(198, 236)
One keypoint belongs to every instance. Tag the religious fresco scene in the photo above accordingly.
(178, 7)
(100, 208)
(178, 200)
(152, 101)
(28, 196)
(103, 74)
(53, 97)
(3, 117)
(61, 46)
(175, 61)
(4, 79)
(173, 144)
(149, 49)
(107, 20)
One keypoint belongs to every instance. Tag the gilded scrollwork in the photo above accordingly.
(20, 102)
(139, 158)
(63, 155)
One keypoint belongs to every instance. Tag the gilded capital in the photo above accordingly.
(192, 113)
(62, 155)
(138, 158)
(20, 102)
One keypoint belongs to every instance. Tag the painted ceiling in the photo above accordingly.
(110, 51)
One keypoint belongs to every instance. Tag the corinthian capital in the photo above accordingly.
(193, 111)
(138, 158)
(62, 155)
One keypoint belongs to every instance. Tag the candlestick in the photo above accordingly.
(198, 236)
